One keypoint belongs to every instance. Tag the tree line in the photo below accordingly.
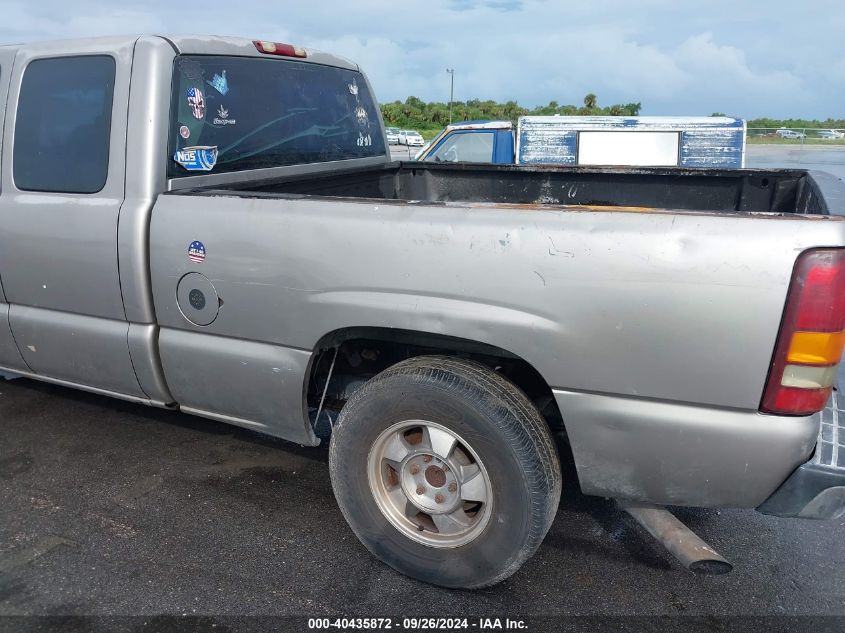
(414, 113)
(418, 114)
(798, 123)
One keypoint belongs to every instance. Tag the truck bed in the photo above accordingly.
(649, 328)
(785, 191)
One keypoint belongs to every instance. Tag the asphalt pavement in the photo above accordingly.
(811, 156)
(403, 152)
(114, 508)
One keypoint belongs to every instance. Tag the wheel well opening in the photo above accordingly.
(345, 360)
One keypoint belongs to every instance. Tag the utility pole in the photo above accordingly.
(451, 71)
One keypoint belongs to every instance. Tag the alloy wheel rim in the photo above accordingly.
(430, 484)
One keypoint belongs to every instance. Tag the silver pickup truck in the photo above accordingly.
(215, 226)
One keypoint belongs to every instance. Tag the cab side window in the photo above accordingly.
(473, 147)
(63, 124)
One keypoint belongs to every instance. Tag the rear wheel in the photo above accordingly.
(445, 471)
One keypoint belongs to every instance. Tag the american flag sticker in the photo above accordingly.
(196, 252)
(196, 102)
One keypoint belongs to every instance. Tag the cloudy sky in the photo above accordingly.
(748, 58)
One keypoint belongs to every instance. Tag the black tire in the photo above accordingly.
(501, 425)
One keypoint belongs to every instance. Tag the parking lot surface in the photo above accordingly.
(114, 508)
(403, 152)
(821, 158)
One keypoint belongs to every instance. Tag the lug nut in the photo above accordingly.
(415, 469)
(427, 459)
(453, 487)
(445, 468)
(438, 498)
(420, 490)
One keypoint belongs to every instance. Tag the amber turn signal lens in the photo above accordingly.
(816, 348)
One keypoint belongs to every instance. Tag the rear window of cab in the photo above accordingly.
(239, 113)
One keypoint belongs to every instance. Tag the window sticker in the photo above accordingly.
(364, 138)
(361, 115)
(185, 132)
(200, 158)
(196, 102)
(222, 117)
(219, 83)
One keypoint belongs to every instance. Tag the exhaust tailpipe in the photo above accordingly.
(683, 543)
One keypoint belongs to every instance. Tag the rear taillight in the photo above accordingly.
(277, 48)
(812, 336)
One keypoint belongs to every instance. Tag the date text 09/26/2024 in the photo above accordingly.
(422, 624)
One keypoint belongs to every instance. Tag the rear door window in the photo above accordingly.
(238, 113)
(63, 124)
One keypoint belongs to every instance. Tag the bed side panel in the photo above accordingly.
(677, 307)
